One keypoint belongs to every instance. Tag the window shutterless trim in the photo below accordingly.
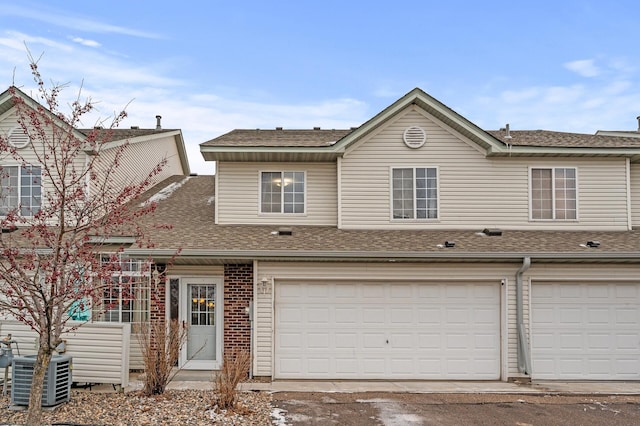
(282, 193)
(437, 198)
(553, 196)
(20, 189)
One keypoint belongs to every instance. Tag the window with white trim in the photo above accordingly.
(20, 188)
(128, 297)
(282, 192)
(415, 193)
(554, 194)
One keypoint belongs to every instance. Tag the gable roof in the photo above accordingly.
(117, 135)
(316, 145)
(202, 241)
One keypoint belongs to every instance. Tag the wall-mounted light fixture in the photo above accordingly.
(264, 286)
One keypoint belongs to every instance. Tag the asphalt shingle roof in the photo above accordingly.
(278, 138)
(190, 210)
(286, 138)
(122, 134)
(545, 138)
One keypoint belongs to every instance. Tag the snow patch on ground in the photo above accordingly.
(391, 413)
(165, 193)
(278, 417)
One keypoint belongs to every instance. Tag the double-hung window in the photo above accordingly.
(20, 187)
(415, 193)
(554, 193)
(282, 192)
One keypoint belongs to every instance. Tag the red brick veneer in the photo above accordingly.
(238, 292)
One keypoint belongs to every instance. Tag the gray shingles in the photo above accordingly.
(278, 138)
(545, 138)
(191, 213)
(257, 138)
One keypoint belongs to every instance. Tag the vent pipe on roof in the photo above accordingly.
(316, 128)
(508, 135)
(638, 118)
(158, 118)
(278, 128)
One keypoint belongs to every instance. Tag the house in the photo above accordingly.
(415, 246)
(26, 185)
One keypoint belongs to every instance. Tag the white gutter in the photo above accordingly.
(524, 358)
(383, 255)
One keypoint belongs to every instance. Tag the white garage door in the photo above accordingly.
(346, 330)
(586, 331)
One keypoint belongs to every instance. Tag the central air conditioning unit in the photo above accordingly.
(57, 380)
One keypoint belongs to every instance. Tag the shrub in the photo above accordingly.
(160, 352)
(235, 368)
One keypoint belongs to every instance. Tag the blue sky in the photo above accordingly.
(210, 67)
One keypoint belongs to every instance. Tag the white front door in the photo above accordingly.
(201, 309)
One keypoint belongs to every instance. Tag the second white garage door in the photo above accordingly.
(585, 331)
(346, 330)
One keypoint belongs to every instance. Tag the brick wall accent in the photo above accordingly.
(238, 292)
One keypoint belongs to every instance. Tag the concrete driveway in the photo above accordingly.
(384, 408)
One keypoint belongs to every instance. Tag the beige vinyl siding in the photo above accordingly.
(9, 121)
(264, 327)
(99, 351)
(140, 159)
(237, 200)
(474, 191)
(635, 194)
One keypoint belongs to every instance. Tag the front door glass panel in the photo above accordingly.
(201, 343)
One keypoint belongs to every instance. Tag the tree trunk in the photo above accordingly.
(34, 413)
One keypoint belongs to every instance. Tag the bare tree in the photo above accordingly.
(50, 264)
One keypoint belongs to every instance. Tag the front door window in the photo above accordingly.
(201, 344)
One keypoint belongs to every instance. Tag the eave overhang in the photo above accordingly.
(288, 154)
(246, 256)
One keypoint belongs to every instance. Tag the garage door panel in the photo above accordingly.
(388, 330)
(594, 335)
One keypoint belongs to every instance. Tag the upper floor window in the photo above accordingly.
(553, 193)
(415, 193)
(282, 192)
(20, 186)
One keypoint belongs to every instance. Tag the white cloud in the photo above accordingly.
(584, 67)
(111, 82)
(85, 42)
(80, 23)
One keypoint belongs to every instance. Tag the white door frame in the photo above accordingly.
(182, 314)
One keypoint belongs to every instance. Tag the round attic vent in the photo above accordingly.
(414, 137)
(18, 138)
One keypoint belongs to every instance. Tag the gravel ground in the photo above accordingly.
(184, 407)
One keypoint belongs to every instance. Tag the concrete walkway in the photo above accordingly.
(553, 387)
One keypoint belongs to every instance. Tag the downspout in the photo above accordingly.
(524, 358)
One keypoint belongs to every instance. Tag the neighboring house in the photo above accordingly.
(416, 246)
(147, 148)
